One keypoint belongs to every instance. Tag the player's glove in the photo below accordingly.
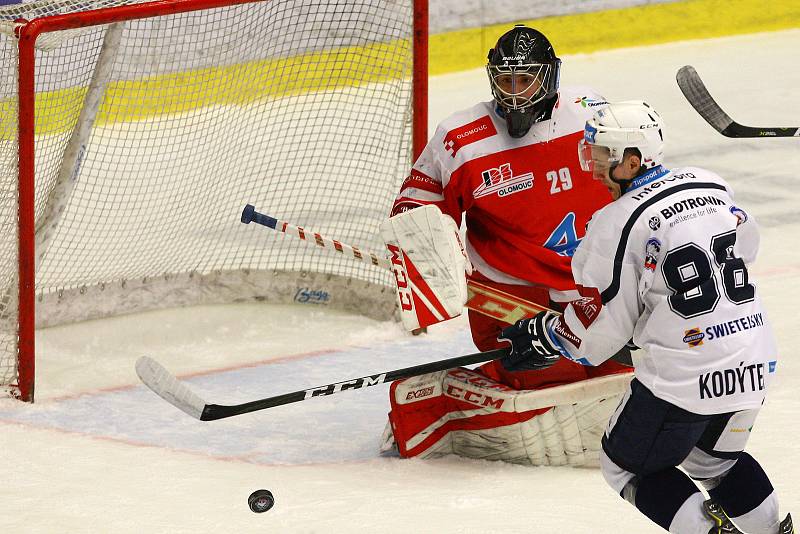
(531, 345)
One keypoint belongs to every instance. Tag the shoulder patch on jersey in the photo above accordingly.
(474, 131)
(588, 307)
(739, 213)
(651, 250)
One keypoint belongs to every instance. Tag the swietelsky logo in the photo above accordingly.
(502, 182)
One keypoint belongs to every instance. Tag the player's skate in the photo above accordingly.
(786, 526)
(722, 523)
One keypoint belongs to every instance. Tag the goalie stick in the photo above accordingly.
(164, 384)
(701, 100)
(482, 298)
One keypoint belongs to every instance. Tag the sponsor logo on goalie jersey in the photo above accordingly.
(501, 181)
(476, 130)
(587, 102)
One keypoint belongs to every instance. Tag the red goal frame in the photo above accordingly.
(27, 32)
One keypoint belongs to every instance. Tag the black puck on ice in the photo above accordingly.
(261, 501)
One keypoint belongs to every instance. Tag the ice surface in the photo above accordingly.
(99, 452)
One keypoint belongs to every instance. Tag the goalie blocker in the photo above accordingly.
(465, 413)
(429, 265)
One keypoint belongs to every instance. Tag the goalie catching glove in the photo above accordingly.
(429, 265)
(532, 343)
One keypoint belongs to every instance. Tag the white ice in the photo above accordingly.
(99, 453)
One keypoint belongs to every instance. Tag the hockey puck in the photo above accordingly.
(261, 501)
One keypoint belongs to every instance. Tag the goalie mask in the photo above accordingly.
(617, 127)
(523, 70)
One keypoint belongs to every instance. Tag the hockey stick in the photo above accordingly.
(698, 96)
(249, 214)
(482, 298)
(165, 385)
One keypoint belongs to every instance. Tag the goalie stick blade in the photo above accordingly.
(701, 100)
(165, 385)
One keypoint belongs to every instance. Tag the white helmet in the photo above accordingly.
(621, 125)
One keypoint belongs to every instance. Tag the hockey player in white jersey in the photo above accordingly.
(666, 264)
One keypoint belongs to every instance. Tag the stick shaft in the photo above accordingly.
(217, 411)
(701, 100)
(482, 298)
(249, 214)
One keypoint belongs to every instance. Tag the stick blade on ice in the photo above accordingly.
(165, 385)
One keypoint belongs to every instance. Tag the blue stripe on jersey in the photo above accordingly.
(613, 288)
(653, 174)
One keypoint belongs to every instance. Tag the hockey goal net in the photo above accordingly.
(133, 134)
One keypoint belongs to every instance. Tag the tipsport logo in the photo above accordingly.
(502, 182)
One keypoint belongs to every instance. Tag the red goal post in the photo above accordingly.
(132, 169)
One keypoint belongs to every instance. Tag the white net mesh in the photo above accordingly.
(301, 108)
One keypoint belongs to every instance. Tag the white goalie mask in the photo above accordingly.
(621, 125)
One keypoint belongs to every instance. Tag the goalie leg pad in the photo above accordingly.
(465, 413)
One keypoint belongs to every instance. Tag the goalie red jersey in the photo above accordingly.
(526, 200)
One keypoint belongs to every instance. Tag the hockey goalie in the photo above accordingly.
(509, 167)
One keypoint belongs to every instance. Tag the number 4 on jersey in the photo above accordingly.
(564, 239)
